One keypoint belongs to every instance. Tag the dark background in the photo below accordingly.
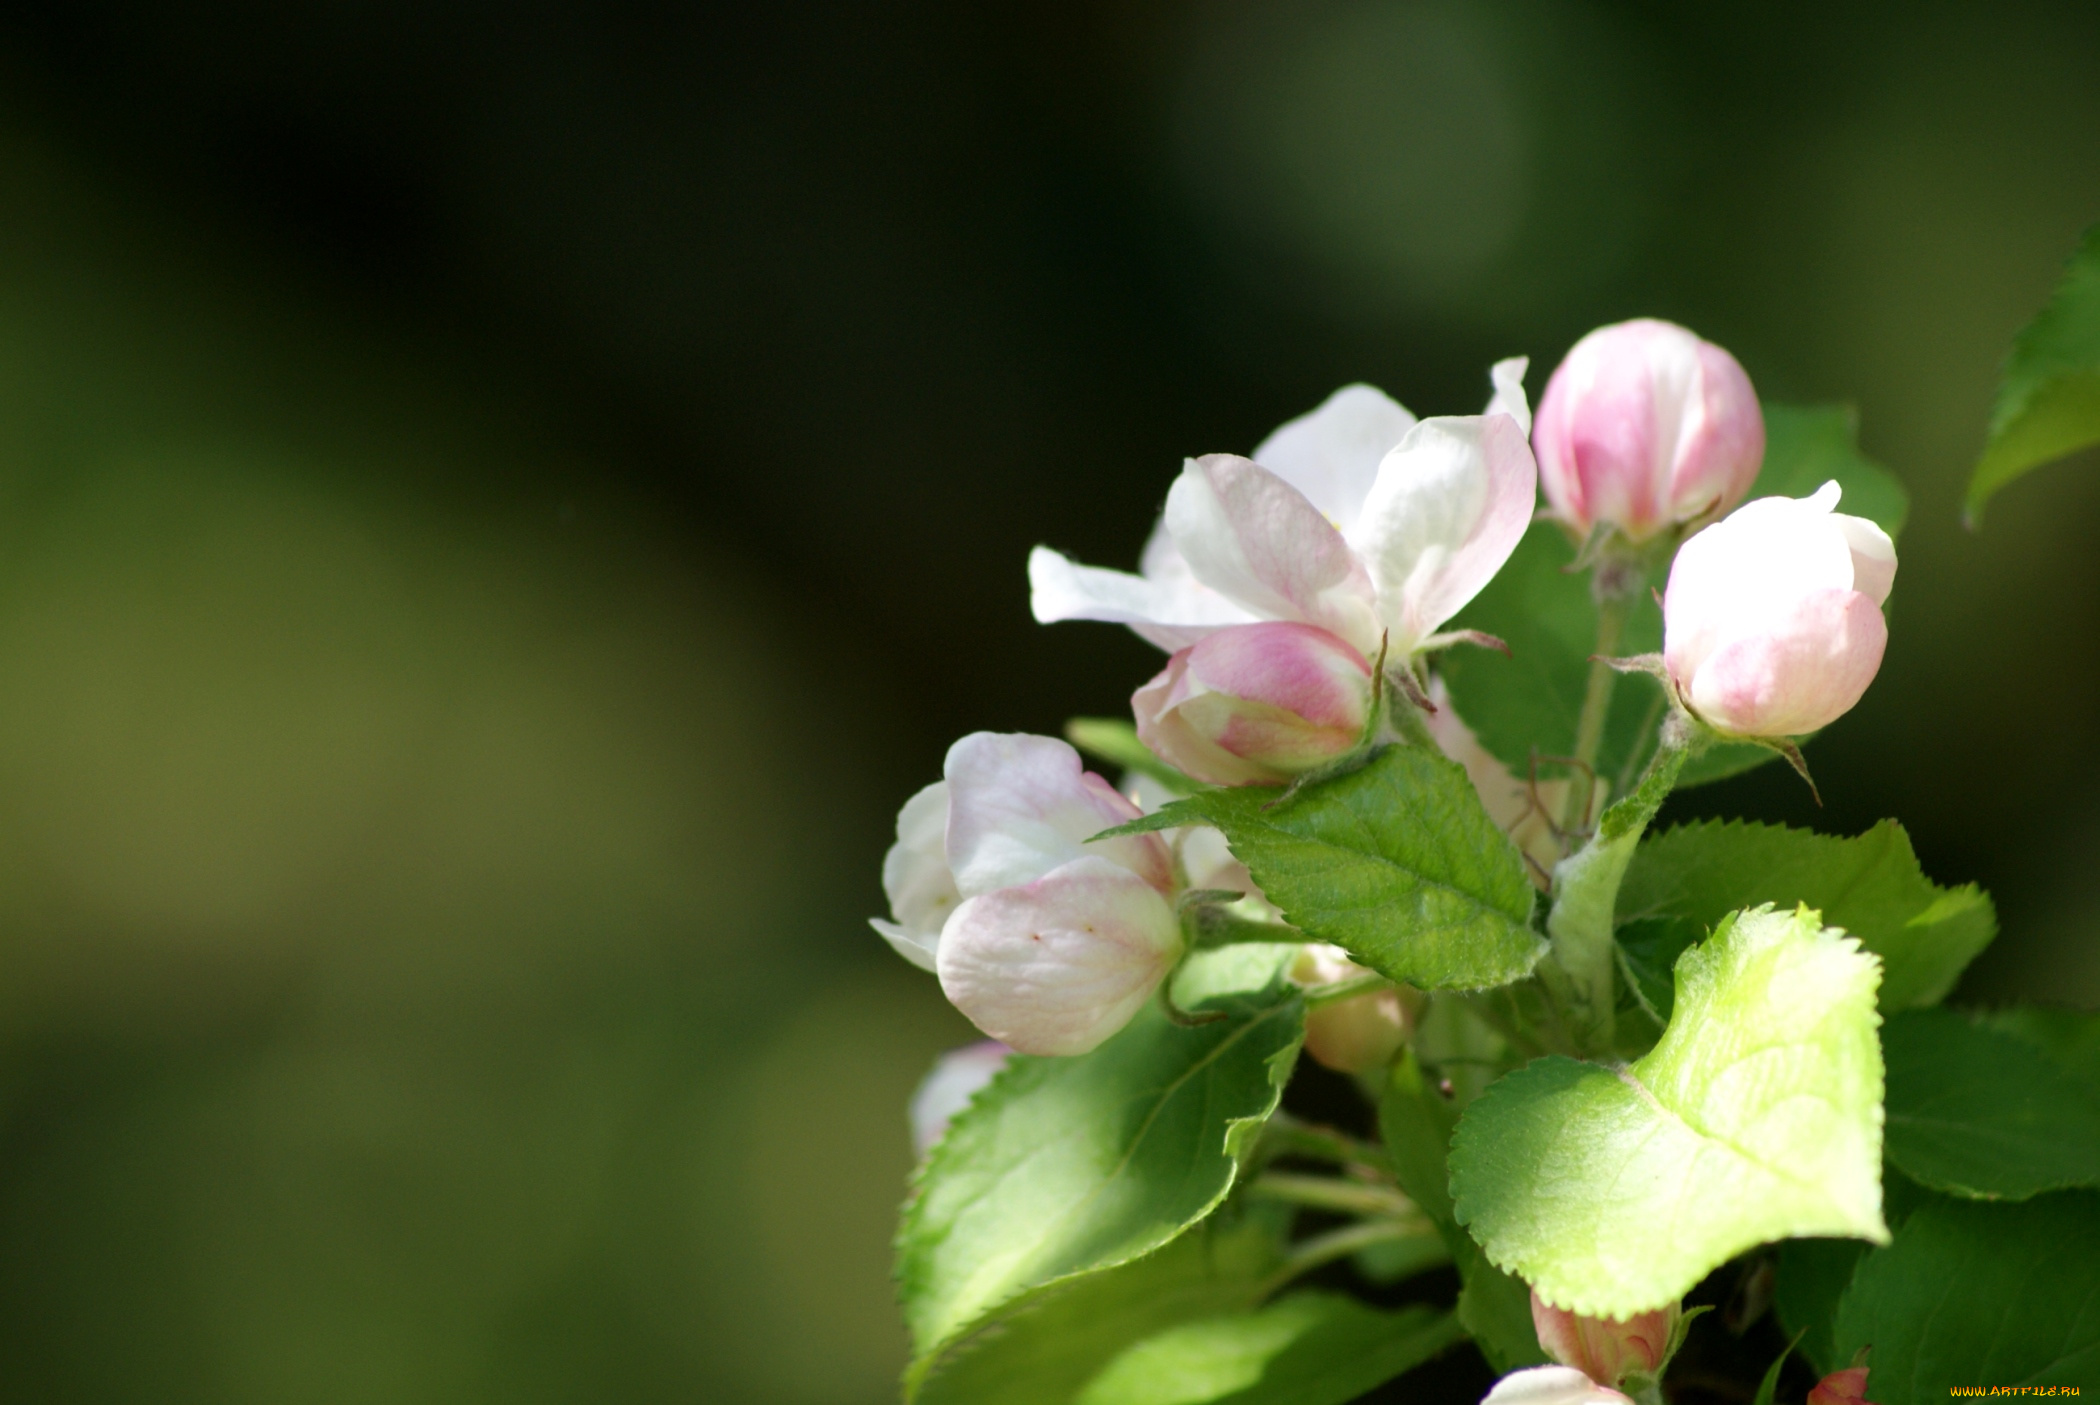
(498, 503)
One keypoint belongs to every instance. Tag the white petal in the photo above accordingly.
(1749, 571)
(1331, 455)
(1172, 610)
(1509, 398)
(915, 876)
(957, 1076)
(1873, 556)
(1058, 965)
(1450, 505)
(1551, 1385)
(917, 949)
(1020, 806)
(1256, 540)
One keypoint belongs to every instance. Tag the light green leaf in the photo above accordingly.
(1305, 1349)
(1494, 1308)
(1114, 740)
(2049, 398)
(1528, 703)
(1396, 862)
(1975, 1112)
(1045, 1351)
(1682, 880)
(1756, 1117)
(1979, 1294)
(1067, 1166)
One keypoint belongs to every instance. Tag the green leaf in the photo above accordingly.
(1114, 740)
(1980, 1113)
(1067, 1166)
(1396, 862)
(1044, 1352)
(1528, 703)
(1305, 1349)
(1812, 1277)
(1769, 1386)
(1756, 1117)
(2069, 1039)
(1585, 895)
(1979, 1294)
(2049, 397)
(1493, 1307)
(1683, 880)
(1808, 446)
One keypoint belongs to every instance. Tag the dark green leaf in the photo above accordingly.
(1975, 1112)
(1305, 1349)
(2070, 1039)
(1045, 1351)
(1396, 862)
(1067, 1166)
(1756, 1117)
(1683, 880)
(1493, 1307)
(1812, 1278)
(2049, 399)
(1979, 1294)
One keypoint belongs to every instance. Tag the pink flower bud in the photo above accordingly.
(1602, 1349)
(1256, 703)
(1359, 1035)
(1644, 426)
(1772, 621)
(1847, 1387)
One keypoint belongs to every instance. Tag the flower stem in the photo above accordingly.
(1338, 1196)
(1614, 605)
(1324, 1249)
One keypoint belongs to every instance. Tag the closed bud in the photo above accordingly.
(1358, 1035)
(1605, 1350)
(1256, 704)
(1645, 426)
(1847, 1387)
(1772, 620)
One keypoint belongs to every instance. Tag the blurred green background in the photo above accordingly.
(499, 503)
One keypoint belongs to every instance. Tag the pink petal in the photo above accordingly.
(1020, 805)
(1256, 540)
(1058, 965)
(1801, 674)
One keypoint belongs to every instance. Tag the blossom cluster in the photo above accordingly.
(1303, 594)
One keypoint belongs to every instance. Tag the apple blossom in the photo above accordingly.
(1356, 518)
(1552, 1385)
(1358, 1035)
(1644, 426)
(1049, 943)
(1772, 620)
(1603, 1348)
(956, 1077)
(1256, 703)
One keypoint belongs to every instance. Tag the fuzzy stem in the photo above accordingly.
(1614, 605)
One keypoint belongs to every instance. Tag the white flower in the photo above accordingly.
(1772, 621)
(1051, 943)
(1356, 518)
